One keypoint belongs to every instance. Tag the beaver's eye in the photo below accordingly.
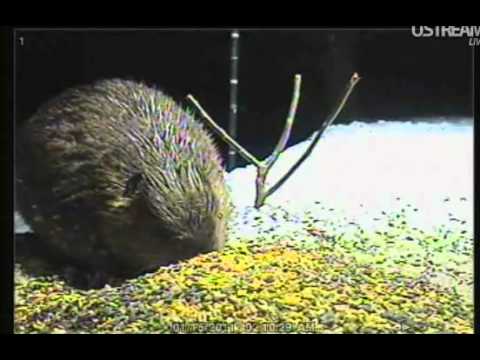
(132, 184)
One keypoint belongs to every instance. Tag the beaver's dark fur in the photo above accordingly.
(116, 177)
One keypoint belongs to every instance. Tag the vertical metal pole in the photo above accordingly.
(233, 96)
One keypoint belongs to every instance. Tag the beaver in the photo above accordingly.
(116, 177)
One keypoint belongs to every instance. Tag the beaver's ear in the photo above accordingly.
(132, 183)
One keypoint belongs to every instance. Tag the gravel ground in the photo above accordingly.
(248, 288)
(407, 185)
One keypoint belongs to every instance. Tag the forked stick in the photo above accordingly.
(263, 167)
(330, 119)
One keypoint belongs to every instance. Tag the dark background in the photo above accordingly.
(403, 76)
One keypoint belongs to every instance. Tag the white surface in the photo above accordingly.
(422, 161)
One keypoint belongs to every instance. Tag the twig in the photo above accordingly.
(288, 124)
(262, 172)
(340, 105)
(223, 134)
